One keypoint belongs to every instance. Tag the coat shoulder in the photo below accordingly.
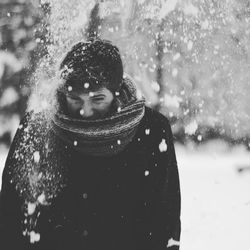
(155, 132)
(157, 122)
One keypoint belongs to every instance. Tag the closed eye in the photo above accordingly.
(98, 99)
(74, 98)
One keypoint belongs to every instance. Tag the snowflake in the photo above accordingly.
(31, 208)
(191, 128)
(199, 137)
(82, 112)
(173, 242)
(41, 198)
(177, 56)
(163, 146)
(86, 85)
(36, 156)
(34, 237)
(190, 45)
(175, 72)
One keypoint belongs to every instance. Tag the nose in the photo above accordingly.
(86, 110)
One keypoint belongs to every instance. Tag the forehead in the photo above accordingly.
(85, 92)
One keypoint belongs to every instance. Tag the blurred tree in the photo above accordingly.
(17, 44)
(190, 58)
(94, 23)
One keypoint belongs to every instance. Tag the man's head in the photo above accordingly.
(92, 72)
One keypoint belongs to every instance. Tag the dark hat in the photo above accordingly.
(96, 62)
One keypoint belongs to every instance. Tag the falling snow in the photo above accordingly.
(191, 128)
(41, 198)
(163, 146)
(173, 242)
(172, 101)
(36, 157)
(190, 45)
(82, 112)
(86, 85)
(176, 56)
(34, 237)
(199, 137)
(31, 208)
(205, 60)
(175, 72)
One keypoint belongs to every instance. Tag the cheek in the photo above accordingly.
(103, 105)
(73, 106)
(102, 108)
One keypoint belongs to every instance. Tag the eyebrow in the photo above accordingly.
(72, 95)
(95, 95)
(99, 95)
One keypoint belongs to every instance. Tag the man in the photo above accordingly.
(97, 171)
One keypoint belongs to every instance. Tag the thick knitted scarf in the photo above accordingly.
(107, 136)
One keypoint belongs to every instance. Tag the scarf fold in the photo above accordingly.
(107, 136)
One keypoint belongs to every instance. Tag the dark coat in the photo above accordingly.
(129, 201)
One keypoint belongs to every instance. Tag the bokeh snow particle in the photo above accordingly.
(163, 146)
(175, 72)
(86, 85)
(199, 137)
(190, 45)
(172, 101)
(34, 237)
(82, 112)
(176, 56)
(155, 86)
(36, 156)
(191, 128)
(31, 208)
(41, 198)
(173, 242)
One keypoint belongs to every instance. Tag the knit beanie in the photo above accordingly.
(91, 65)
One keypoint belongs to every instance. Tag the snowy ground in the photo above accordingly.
(215, 196)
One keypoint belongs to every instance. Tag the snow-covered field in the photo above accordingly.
(215, 196)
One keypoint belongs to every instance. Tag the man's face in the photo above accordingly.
(91, 105)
